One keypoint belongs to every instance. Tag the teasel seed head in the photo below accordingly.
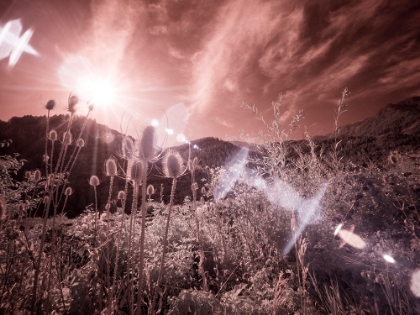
(127, 148)
(53, 135)
(68, 191)
(94, 181)
(173, 165)
(111, 167)
(121, 195)
(72, 103)
(136, 172)
(147, 150)
(45, 158)
(80, 143)
(46, 199)
(67, 138)
(27, 175)
(50, 105)
(37, 175)
(150, 190)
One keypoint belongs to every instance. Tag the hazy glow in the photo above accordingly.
(95, 89)
(181, 138)
(169, 131)
(234, 168)
(351, 238)
(415, 283)
(155, 122)
(12, 45)
(389, 259)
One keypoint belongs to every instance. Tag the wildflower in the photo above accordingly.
(173, 165)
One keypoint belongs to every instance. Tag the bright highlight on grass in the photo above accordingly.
(96, 90)
(155, 122)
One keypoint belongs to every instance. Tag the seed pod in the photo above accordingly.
(147, 144)
(80, 143)
(136, 172)
(173, 165)
(94, 181)
(150, 190)
(194, 186)
(50, 105)
(121, 195)
(53, 135)
(27, 175)
(45, 158)
(68, 191)
(111, 167)
(37, 175)
(46, 199)
(203, 190)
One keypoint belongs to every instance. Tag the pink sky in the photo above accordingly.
(199, 60)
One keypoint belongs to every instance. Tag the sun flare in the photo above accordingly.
(96, 90)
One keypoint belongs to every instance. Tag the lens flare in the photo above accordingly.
(350, 238)
(389, 259)
(415, 283)
(12, 45)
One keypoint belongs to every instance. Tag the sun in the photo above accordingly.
(97, 90)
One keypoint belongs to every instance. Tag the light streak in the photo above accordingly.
(11, 45)
(389, 259)
(234, 168)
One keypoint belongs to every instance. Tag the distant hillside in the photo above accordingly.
(400, 118)
(395, 127)
(28, 136)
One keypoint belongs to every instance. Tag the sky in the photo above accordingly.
(190, 64)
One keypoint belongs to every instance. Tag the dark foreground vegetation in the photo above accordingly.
(318, 226)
